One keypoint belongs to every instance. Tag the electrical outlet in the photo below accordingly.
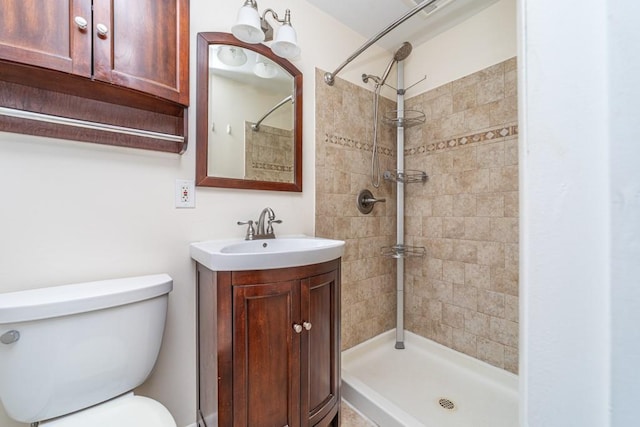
(185, 193)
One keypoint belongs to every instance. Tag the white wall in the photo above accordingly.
(75, 212)
(580, 202)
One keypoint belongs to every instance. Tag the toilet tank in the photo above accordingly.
(78, 344)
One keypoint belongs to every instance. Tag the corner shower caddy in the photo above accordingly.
(402, 119)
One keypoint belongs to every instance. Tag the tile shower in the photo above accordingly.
(464, 292)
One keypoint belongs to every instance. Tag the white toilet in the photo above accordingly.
(71, 355)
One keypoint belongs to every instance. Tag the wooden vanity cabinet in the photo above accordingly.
(145, 46)
(269, 347)
(123, 64)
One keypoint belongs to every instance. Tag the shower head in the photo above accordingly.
(403, 51)
(400, 55)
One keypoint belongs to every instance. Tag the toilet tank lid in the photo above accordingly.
(55, 301)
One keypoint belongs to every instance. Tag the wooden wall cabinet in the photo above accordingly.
(269, 347)
(104, 55)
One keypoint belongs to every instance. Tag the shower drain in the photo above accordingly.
(447, 404)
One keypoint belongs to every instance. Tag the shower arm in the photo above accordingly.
(329, 78)
(256, 126)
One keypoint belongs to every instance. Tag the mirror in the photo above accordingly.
(248, 118)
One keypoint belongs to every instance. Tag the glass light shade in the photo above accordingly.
(247, 27)
(232, 56)
(286, 43)
(265, 69)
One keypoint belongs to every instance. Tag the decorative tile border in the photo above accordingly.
(271, 167)
(352, 143)
(461, 141)
(447, 144)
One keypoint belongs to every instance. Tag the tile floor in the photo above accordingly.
(351, 418)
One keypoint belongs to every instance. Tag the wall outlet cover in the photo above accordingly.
(185, 193)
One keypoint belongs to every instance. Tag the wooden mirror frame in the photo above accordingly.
(202, 117)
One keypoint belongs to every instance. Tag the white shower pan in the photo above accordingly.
(426, 385)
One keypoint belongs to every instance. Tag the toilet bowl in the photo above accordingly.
(71, 355)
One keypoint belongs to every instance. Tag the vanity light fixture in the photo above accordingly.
(232, 56)
(250, 27)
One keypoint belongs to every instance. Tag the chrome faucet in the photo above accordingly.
(270, 216)
(259, 231)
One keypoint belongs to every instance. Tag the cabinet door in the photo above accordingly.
(320, 347)
(266, 355)
(44, 34)
(145, 47)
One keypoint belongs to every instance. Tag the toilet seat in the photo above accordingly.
(128, 410)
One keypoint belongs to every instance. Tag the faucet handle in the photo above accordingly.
(250, 230)
(270, 227)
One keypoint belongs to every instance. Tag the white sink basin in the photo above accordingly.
(282, 252)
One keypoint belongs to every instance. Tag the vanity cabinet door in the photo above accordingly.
(266, 355)
(321, 348)
(45, 34)
(145, 47)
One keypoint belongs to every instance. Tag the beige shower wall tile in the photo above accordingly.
(504, 110)
(491, 155)
(453, 315)
(419, 206)
(464, 159)
(432, 269)
(511, 308)
(464, 205)
(504, 230)
(511, 359)
(432, 226)
(465, 296)
(490, 205)
(491, 89)
(490, 352)
(464, 97)
(442, 291)
(477, 228)
(504, 178)
(480, 117)
(511, 151)
(503, 331)
(478, 276)
(453, 227)
(464, 251)
(491, 303)
(453, 271)
(490, 253)
(504, 280)
(464, 342)
(476, 323)
(442, 206)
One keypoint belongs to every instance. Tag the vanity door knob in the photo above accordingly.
(103, 30)
(297, 328)
(80, 22)
(307, 325)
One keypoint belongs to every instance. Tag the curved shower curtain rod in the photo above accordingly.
(329, 78)
(256, 126)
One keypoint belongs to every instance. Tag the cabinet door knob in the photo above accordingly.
(102, 30)
(297, 328)
(80, 22)
(307, 325)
